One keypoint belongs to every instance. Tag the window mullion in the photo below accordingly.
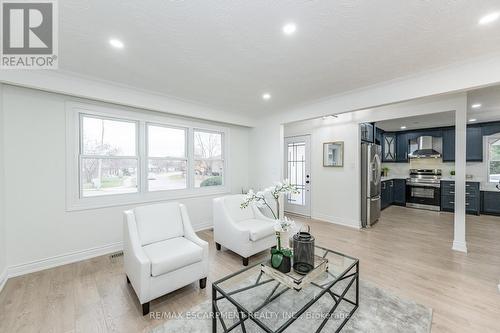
(142, 177)
(190, 157)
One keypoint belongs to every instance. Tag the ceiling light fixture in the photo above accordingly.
(490, 18)
(403, 127)
(476, 106)
(289, 28)
(266, 96)
(472, 120)
(116, 43)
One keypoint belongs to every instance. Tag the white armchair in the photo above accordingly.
(244, 231)
(162, 252)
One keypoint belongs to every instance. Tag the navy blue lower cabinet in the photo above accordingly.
(472, 197)
(399, 192)
(386, 194)
(490, 202)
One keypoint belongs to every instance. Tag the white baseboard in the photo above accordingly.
(337, 220)
(64, 259)
(69, 258)
(203, 226)
(459, 246)
(3, 279)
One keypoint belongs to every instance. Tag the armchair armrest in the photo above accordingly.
(189, 232)
(137, 264)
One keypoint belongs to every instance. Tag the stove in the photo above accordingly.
(425, 176)
(423, 189)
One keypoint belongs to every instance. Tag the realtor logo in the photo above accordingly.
(29, 35)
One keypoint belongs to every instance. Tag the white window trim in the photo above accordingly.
(489, 139)
(75, 202)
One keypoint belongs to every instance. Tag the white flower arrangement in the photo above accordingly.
(276, 191)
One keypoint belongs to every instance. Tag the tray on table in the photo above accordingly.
(292, 279)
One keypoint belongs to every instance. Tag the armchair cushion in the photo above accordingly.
(158, 222)
(171, 254)
(259, 229)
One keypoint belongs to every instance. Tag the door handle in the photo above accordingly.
(307, 182)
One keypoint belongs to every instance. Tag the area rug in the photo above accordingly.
(379, 311)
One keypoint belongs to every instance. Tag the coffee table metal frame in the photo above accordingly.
(352, 273)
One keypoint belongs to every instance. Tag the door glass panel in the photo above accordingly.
(296, 171)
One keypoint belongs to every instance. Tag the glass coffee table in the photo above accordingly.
(252, 301)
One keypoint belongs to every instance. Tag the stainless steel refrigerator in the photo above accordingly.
(371, 155)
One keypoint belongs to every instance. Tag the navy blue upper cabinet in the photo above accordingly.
(378, 136)
(389, 147)
(402, 147)
(474, 144)
(448, 145)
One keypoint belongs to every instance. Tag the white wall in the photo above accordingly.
(266, 150)
(38, 227)
(334, 191)
(3, 245)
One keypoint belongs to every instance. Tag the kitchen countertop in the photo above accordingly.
(392, 177)
(484, 186)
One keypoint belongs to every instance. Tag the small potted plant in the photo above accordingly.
(281, 259)
(385, 171)
(452, 174)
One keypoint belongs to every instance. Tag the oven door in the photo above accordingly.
(424, 195)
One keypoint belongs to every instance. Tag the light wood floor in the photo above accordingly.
(408, 253)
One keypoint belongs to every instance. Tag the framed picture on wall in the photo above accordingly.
(333, 154)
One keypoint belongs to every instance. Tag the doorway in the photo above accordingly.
(298, 172)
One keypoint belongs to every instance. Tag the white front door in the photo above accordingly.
(298, 172)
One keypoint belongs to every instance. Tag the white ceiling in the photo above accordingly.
(489, 98)
(226, 53)
(418, 122)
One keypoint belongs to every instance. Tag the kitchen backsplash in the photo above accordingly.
(476, 170)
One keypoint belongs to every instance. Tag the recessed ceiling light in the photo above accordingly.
(487, 19)
(472, 120)
(116, 43)
(403, 127)
(476, 106)
(289, 28)
(266, 96)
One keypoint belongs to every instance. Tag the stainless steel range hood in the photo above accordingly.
(425, 149)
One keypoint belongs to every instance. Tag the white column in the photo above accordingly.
(459, 243)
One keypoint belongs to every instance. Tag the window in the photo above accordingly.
(167, 159)
(108, 156)
(494, 158)
(208, 158)
(122, 157)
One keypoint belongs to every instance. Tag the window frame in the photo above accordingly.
(74, 199)
(82, 156)
(169, 158)
(489, 140)
(222, 153)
